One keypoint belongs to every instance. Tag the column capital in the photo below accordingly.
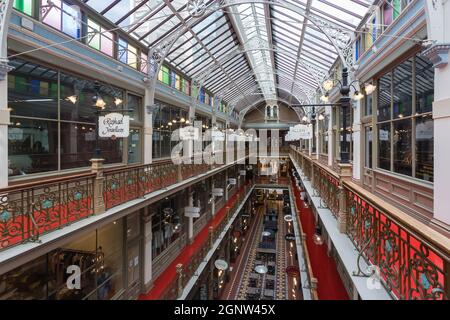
(438, 54)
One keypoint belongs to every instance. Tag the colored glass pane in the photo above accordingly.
(94, 36)
(123, 51)
(51, 17)
(25, 6)
(132, 56)
(71, 20)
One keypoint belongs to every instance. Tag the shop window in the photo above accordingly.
(402, 147)
(402, 88)
(410, 131)
(368, 101)
(384, 97)
(62, 16)
(25, 6)
(166, 224)
(384, 146)
(49, 134)
(135, 103)
(32, 146)
(99, 39)
(134, 146)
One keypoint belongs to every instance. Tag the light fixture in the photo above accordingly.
(170, 124)
(370, 88)
(305, 119)
(321, 117)
(358, 96)
(325, 98)
(100, 103)
(118, 102)
(72, 99)
(174, 120)
(317, 237)
(328, 85)
(182, 120)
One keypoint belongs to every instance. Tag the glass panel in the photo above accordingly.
(33, 90)
(25, 6)
(384, 98)
(28, 282)
(424, 85)
(403, 89)
(402, 147)
(52, 17)
(109, 270)
(133, 226)
(32, 146)
(135, 104)
(77, 145)
(425, 148)
(134, 146)
(132, 56)
(71, 20)
(368, 147)
(107, 43)
(122, 54)
(93, 39)
(384, 146)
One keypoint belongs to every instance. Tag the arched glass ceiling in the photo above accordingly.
(277, 46)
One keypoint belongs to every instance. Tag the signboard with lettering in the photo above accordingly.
(114, 125)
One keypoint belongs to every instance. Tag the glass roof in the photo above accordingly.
(276, 42)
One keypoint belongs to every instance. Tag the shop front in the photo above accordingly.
(104, 264)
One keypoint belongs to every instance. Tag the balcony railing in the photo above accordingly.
(185, 272)
(33, 209)
(30, 210)
(413, 260)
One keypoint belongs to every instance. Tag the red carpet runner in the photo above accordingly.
(330, 286)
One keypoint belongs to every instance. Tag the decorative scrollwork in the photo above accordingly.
(196, 8)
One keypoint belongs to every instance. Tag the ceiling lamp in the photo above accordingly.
(305, 119)
(325, 98)
(321, 117)
(182, 120)
(328, 85)
(370, 88)
(118, 101)
(72, 99)
(358, 96)
(100, 103)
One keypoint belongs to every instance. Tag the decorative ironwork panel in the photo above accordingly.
(410, 268)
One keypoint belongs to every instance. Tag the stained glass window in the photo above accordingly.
(99, 38)
(62, 16)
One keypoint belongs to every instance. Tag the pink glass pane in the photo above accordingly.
(51, 17)
(107, 43)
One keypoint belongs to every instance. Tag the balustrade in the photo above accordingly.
(411, 262)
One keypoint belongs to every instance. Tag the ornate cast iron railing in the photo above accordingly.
(33, 209)
(411, 265)
(412, 260)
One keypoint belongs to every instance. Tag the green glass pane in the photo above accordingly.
(397, 8)
(25, 6)
(94, 41)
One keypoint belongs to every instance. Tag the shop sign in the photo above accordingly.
(221, 265)
(114, 125)
(290, 237)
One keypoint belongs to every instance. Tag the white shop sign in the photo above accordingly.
(114, 125)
